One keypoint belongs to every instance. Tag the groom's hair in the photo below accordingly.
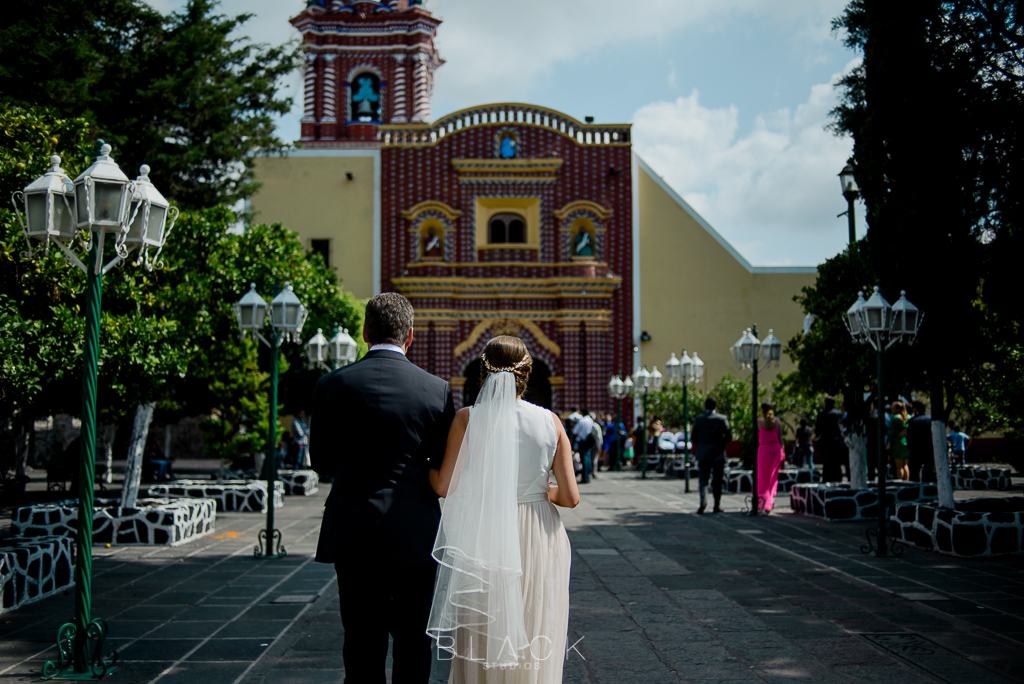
(388, 319)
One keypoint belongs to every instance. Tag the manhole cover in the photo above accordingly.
(938, 661)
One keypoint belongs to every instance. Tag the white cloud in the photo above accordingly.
(779, 180)
(497, 51)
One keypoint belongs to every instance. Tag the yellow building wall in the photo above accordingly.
(313, 196)
(695, 294)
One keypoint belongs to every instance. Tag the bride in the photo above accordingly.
(501, 600)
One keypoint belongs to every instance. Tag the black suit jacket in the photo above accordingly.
(377, 427)
(710, 434)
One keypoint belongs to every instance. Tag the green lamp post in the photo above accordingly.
(685, 371)
(617, 389)
(643, 382)
(877, 323)
(101, 202)
(747, 352)
(287, 314)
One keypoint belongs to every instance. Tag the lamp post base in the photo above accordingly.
(262, 551)
(880, 549)
(94, 665)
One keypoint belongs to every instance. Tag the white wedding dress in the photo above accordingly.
(468, 614)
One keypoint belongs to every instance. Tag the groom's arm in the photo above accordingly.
(439, 439)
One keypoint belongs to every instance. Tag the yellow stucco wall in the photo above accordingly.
(312, 196)
(696, 294)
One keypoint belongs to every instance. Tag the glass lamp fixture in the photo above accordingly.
(641, 379)
(102, 192)
(287, 314)
(148, 215)
(771, 349)
(686, 368)
(672, 368)
(316, 348)
(846, 179)
(343, 349)
(906, 319)
(747, 349)
(656, 378)
(49, 206)
(251, 310)
(854, 321)
(627, 385)
(698, 368)
(615, 387)
(876, 314)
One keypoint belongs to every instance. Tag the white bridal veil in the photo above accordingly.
(477, 613)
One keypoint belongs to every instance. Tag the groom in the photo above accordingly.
(377, 428)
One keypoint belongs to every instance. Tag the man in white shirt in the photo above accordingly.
(583, 433)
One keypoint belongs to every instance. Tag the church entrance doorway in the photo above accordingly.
(538, 389)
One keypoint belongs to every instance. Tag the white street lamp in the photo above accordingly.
(251, 312)
(316, 349)
(287, 314)
(672, 369)
(747, 350)
(49, 206)
(343, 348)
(771, 350)
(147, 226)
(852, 319)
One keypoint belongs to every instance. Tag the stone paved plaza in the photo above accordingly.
(658, 595)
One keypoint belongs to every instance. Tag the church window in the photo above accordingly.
(323, 248)
(507, 229)
(366, 97)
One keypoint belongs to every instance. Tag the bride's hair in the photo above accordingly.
(505, 352)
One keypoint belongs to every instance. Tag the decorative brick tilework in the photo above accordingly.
(978, 527)
(154, 521)
(32, 568)
(243, 496)
(832, 501)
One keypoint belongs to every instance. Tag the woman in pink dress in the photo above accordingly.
(770, 457)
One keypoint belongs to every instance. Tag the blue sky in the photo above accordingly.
(729, 98)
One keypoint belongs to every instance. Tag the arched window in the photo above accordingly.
(365, 96)
(507, 228)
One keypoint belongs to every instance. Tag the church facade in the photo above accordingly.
(502, 218)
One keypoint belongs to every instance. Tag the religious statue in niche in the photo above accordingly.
(582, 244)
(508, 145)
(432, 246)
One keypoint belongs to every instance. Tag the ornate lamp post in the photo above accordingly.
(102, 201)
(747, 351)
(851, 192)
(341, 349)
(617, 390)
(686, 371)
(287, 314)
(877, 323)
(643, 382)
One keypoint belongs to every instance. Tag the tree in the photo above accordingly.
(934, 113)
(181, 93)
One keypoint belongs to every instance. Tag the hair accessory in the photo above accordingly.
(509, 369)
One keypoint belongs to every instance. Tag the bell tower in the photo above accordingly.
(367, 63)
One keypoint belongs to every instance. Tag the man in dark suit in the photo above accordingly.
(377, 427)
(830, 441)
(919, 441)
(710, 434)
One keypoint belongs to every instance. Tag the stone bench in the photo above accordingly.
(978, 479)
(839, 501)
(737, 481)
(299, 482)
(978, 527)
(242, 496)
(153, 521)
(34, 568)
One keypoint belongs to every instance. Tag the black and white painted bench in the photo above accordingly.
(153, 521)
(978, 527)
(981, 478)
(839, 501)
(299, 482)
(32, 568)
(242, 496)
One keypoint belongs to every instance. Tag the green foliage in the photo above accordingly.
(183, 93)
(934, 112)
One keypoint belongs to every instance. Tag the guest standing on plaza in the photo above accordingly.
(919, 440)
(378, 426)
(803, 454)
(301, 436)
(898, 440)
(958, 442)
(583, 433)
(711, 432)
(830, 441)
(770, 457)
(609, 438)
